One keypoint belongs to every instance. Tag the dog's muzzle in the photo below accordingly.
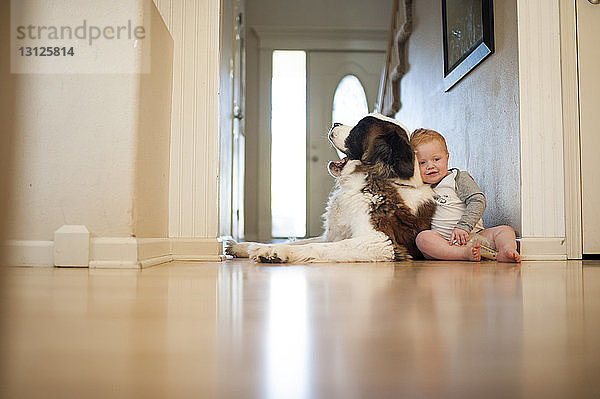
(337, 136)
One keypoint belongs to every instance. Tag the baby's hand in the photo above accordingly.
(460, 236)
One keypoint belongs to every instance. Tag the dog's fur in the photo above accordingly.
(377, 208)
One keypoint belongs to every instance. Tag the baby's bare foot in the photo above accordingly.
(509, 255)
(473, 253)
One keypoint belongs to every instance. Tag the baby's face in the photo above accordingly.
(433, 162)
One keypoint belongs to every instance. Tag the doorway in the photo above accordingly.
(301, 103)
(363, 52)
(349, 80)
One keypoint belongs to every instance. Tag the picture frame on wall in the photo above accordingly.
(468, 37)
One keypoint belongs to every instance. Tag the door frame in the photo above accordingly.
(571, 130)
(554, 28)
(295, 38)
(548, 103)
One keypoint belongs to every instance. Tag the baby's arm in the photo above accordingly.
(469, 192)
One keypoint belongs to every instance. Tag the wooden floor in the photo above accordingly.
(238, 330)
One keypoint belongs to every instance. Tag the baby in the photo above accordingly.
(460, 205)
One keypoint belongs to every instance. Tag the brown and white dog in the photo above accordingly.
(377, 208)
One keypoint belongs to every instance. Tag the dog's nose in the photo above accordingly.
(336, 124)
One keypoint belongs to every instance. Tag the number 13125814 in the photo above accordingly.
(46, 51)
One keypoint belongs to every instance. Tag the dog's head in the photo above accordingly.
(380, 144)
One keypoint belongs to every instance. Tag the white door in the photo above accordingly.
(231, 186)
(588, 32)
(326, 69)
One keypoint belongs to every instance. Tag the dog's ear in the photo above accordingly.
(394, 154)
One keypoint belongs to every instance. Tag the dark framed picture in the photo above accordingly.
(468, 34)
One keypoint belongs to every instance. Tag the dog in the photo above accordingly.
(378, 205)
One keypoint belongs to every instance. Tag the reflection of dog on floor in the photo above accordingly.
(377, 208)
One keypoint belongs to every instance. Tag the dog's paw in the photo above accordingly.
(237, 250)
(268, 253)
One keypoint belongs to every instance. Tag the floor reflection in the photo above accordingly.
(447, 330)
(237, 330)
(561, 353)
(362, 330)
(286, 344)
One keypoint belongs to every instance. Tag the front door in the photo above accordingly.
(328, 73)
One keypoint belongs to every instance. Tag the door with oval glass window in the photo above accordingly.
(342, 87)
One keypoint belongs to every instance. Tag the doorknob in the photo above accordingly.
(594, 1)
(237, 112)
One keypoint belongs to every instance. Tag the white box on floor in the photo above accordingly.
(72, 246)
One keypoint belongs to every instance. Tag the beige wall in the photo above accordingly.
(79, 144)
(73, 160)
(8, 83)
(479, 116)
(6, 129)
(151, 207)
(145, 159)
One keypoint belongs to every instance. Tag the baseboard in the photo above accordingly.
(115, 264)
(129, 252)
(27, 253)
(154, 251)
(118, 252)
(114, 253)
(543, 248)
(197, 249)
(139, 253)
